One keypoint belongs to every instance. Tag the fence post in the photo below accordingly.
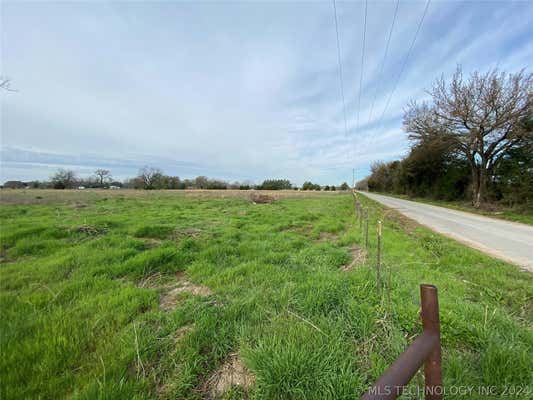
(366, 230)
(431, 324)
(378, 267)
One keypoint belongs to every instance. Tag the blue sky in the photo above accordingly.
(232, 90)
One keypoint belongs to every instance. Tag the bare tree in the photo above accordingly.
(481, 118)
(102, 175)
(149, 177)
(64, 179)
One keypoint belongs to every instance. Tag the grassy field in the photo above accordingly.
(523, 214)
(134, 295)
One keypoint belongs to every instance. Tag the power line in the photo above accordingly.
(341, 80)
(362, 68)
(406, 59)
(384, 59)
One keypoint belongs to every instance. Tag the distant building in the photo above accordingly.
(81, 187)
(113, 187)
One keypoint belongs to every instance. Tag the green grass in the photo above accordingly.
(522, 214)
(80, 321)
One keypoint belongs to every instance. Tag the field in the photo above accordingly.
(187, 295)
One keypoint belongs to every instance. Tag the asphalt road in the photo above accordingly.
(509, 241)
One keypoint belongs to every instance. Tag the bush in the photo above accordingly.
(275, 184)
(310, 186)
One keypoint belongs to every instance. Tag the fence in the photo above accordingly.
(426, 348)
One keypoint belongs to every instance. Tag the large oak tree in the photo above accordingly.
(482, 118)
(102, 176)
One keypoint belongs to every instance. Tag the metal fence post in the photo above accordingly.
(425, 349)
(431, 324)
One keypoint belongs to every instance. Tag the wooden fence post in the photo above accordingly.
(378, 267)
(366, 230)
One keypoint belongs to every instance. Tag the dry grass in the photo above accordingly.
(89, 230)
(78, 197)
(327, 237)
(358, 258)
(189, 232)
(261, 198)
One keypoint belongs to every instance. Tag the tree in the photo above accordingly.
(362, 184)
(310, 186)
(345, 186)
(102, 175)
(432, 169)
(149, 177)
(275, 184)
(201, 182)
(480, 118)
(14, 185)
(63, 179)
(514, 175)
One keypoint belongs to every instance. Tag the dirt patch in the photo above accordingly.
(358, 258)
(231, 373)
(188, 232)
(262, 198)
(163, 383)
(4, 257)
(169, 299)
(300, 229)
(151, 242)
(75, 205)
(182, 332)
(89, 230)
(151, 281)
(327, 237)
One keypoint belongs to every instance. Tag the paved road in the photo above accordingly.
(509, 241)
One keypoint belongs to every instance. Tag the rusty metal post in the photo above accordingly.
(393, 381)
(425, 349)
(431, 324)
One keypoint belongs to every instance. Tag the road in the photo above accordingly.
(509, 241)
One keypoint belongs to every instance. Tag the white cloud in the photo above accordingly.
(235, 91)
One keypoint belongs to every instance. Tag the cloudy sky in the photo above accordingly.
(232, 90)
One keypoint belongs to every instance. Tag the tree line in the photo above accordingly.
(149, 178)
(473, 140)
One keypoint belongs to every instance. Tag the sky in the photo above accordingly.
(232, 90)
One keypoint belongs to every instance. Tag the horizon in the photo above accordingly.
(184, 88)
